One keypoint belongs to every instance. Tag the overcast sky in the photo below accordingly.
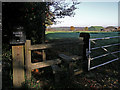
(92, 14)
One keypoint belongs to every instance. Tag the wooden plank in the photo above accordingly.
(78, 71)
(65, 58)
(45, 63)
(28, 59)
(69, 59)
(18, 65)
(70, 62)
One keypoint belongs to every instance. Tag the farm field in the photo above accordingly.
(70, 34)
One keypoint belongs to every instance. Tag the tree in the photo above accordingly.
(118, 29)
(86, 28)
(34, 17)
(72, 28)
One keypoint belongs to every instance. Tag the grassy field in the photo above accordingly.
(73, 31)
(70, 34)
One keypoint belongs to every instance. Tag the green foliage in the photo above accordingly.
(6, 66)
(33, 83)
(6, 55)
(86, 28)
(95, 28)
(34, 16)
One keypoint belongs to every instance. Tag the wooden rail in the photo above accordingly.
(45, 63)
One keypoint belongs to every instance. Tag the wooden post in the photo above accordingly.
(43, 55)
(56, 71)
(86, 37)
(43, 41)
(28, 59)
(18, 65)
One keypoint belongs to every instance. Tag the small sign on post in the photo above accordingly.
(18, 36)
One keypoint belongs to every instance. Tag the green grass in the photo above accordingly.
(47, 32)
(69, 34)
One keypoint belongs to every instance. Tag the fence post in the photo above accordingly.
(18, 65)
(28, 59)
(43, 55)
(86, 37)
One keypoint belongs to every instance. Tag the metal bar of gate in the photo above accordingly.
(89, 57)
(105, 38)
(104, 55)
(103, 64)
(105, 49)
(105, 46)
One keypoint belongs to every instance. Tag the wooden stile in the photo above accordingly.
(18, 59)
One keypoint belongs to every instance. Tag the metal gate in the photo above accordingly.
(103, 55)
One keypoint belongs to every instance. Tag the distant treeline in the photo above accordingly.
(64, 28)
(92, 28)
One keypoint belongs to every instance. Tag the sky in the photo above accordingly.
(92, 14)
